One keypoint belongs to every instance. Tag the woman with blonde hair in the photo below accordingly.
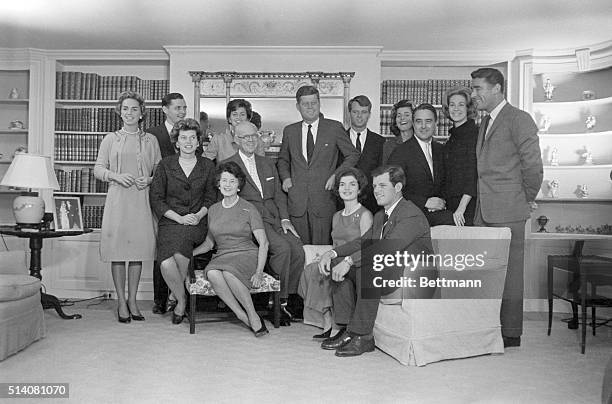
(127, 160)
(460, 173)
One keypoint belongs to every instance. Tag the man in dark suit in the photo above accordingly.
(369, 144)
(509, 177)
(263, 189)
(422, 160)
(307, 164)
(400, 227)
(175, 109)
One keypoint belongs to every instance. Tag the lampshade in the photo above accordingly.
(30, 171)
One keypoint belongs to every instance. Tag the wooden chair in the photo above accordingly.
(585, 274)
(197, 285)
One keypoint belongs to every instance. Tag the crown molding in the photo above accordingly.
(182, 49)
(106, 54)
(444, 57)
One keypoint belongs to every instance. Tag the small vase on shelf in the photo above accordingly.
(590, 122)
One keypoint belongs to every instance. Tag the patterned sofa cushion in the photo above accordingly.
(202, 286)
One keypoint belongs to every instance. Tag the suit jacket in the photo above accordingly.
(171, 189)
(420, 185)
(163, 139)
(308, 190)
(273, 205)
(509, 166)
(407, 230)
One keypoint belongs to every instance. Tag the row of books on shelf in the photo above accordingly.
(92, 86)
(99, 119)
(417, 91)
(80, 180)
(92, 216)
(77, 147)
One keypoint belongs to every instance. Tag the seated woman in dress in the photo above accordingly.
(460, 172)
(347, 224)
(222, 145)
(183, 189)
(401, 127)
(238, 264)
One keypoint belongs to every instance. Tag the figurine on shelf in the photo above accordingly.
(590, 122)
(588, 95)
(16, 125)
(548, 90)
(545, 123)
(542, 220)
(554, 157)
(582, 191)
(14, 94)
(587, 156)
(554, 189)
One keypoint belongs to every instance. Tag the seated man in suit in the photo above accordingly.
(263, 189)
(401, 226)
(369, 144)
(422, 160)
(307, 163)
(175, 109)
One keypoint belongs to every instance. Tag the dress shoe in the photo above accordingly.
(510, 342)
(322, 336)
(123, 319)
(358, 345)
(177, 318)
(159, 309)
(136, 317)
(340, 339)
(294, 313)
(262, 331)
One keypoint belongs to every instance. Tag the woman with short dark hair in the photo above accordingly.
(238, 264)
(401, 127)
(182, 191)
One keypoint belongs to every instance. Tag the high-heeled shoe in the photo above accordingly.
(262, 331)
(323, 335)
(136, 317)
(177, 318)
(123, 319)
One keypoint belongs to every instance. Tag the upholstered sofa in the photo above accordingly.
(458, 322)
(21, 314)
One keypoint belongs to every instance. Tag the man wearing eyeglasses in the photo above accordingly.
(263, 189)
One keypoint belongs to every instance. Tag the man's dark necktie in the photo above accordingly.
(309, 143)
(485, 124)
(382, 229)
(358, 142)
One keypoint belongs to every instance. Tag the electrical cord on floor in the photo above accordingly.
(71, 302)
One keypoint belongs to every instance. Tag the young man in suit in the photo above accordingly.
(369, 144)
(400, 227)
(307, 164)
(263, 189)
(175, 109)
(509, 177)
(422, 160)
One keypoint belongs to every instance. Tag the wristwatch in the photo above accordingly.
(348, 260)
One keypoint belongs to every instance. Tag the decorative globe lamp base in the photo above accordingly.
(29, 209)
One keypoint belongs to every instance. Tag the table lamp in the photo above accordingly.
(28, 170)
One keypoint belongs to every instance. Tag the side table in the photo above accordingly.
(36, 243)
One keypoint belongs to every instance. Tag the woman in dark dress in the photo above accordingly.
(460, 173)
(401, 127)
(183, 189)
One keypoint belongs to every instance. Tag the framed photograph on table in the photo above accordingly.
(68, 215)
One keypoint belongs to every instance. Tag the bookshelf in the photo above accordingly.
(574, 155)
(85, 95)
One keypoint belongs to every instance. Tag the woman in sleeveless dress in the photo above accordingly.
(347, 224)
(127, 160)
(238, 263)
